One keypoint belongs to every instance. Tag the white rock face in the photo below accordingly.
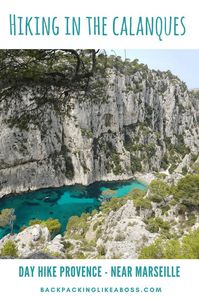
(35, 239)
(55, 246)
(30, 240)
(131, 127)
(146, 178)
(36, 233)
(124, 233)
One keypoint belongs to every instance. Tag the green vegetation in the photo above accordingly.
(180, 146)
(58, 157)
(158, 190)
(138, 197)
(175, 152)
(113, 205)
(171, 242)
(69, 172)
(136, 164)
(53, 225)
(150, 149)
(188, 248)
(126, 67)
(155, 225)
(187, 191)
(7, 217)
(140, 200)
(69, 167)
(36, 221)
(87, 133)
(172, 167)
(117, 169)
(113, 159)
(164, 162)
(172, 76)
(77, 226)
(167, 245)
(9, 249)
(51, 67)
(195, 167)
(120, 237)
(43, 73)
(101, 250)
(191, 220)
(108, 193)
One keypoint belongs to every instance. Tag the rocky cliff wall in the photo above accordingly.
(134, 121)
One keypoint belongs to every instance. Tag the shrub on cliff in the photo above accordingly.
(190, 245)
(187, 190)
(140, 200)
(7, 217)
(114, 204)
(53, 225)
(9, 249)
(153, 251)
(158, 190)
(188, 248)
(77, 226)
(35, 221)
(154, 225)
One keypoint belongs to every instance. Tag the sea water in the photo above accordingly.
(61, 203)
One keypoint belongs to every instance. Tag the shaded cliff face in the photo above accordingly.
(136, 120)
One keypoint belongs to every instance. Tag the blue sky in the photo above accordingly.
(183, 63)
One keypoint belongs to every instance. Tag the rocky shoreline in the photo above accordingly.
(122, 227)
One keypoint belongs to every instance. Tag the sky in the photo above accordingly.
(182, 63)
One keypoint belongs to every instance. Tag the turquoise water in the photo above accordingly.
(61, 203)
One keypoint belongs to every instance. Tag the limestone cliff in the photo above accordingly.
(134, 120)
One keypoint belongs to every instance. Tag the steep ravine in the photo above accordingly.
(141, 121)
